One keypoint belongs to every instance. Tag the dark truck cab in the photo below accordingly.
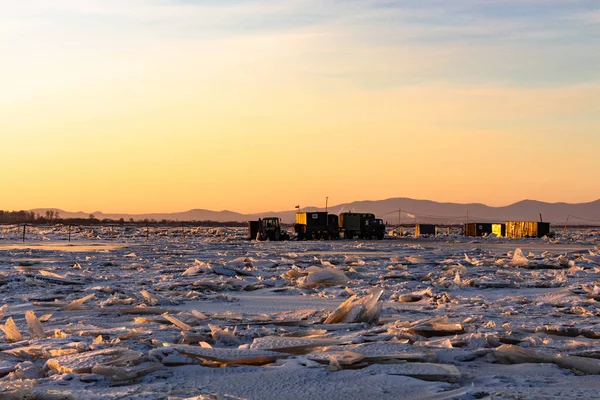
(374, 228)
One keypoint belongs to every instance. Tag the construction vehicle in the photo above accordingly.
(267, 229)
(316, 225)
(361, 225)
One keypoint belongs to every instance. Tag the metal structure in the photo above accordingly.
(361, 225)
(312, 225)
(477, 229)
(527, 229)
(425, 229)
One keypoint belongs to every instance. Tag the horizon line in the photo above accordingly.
(303, 208)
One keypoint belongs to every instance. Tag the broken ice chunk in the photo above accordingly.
(34, 326)
(518, 260)
(11, 331)
(324, 277)
(77, 304)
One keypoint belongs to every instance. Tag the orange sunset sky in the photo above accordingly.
(160, 106)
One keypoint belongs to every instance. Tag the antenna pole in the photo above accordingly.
(399, 224)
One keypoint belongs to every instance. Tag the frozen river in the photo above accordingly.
(203, 313)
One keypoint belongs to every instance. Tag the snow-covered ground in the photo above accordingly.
(203, 313)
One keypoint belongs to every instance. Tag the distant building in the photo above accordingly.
(523, 229)
(425, 229)
(477, 229)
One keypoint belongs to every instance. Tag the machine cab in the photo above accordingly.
(271, 222)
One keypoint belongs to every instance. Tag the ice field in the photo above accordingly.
(174, 313)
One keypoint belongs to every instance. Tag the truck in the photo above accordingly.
(316, 225)
(361, 225)
(267, 229)
(374, 228)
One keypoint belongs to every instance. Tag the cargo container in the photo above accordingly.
(353, 225)
(322, 225)
(425, 229)
(524, 229)
(477, 229)
(312, 225)
(349, 224)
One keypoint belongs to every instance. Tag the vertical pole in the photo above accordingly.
(147, 233)
(69, 233)
(24, 225)
(565, 229)
(399, 225)
(327, 220)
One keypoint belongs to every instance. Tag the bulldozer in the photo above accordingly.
(267, 229)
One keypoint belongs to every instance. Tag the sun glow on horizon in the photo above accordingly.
(150, 106)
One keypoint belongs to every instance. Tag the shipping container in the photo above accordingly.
(353, 224)
(312, 220)
(312, 225)
(425, 229)
(349, 221)
(524, 229)
(477, 229)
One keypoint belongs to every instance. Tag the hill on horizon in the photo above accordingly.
(413, 211)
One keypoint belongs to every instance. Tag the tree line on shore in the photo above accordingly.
(53, 217)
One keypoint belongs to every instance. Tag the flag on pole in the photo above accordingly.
(298, 206)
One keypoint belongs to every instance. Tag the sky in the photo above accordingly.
(139, 106)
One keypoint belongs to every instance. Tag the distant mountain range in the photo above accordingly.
(420, 211)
